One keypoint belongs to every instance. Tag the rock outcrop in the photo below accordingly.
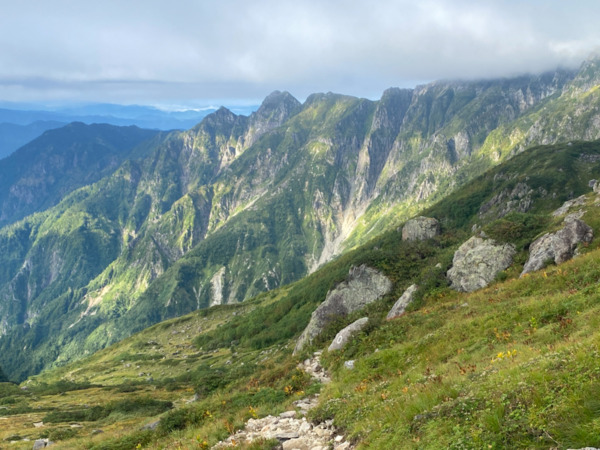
(401, 304)
(520, 199)
(363, 286)
(420, 228)
(557, 247)
(579, 201)
(342, 338)
(477, 262)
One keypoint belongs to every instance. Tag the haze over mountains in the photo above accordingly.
(239, 205)
(21, 123)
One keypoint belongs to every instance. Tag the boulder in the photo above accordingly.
(42, 443)
(420, 228)
(477, 262)
(363, 286)
(405, 299)
(342, 338)
(557, 247)
(579, 201)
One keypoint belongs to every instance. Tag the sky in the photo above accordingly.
(181, 53)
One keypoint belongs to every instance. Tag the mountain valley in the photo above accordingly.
(164, 278)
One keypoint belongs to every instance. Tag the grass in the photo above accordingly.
(510, 366)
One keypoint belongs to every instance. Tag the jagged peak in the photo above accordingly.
(220, 116)
(588, 74)
(278, 106)
(277, 98)
(223, 112)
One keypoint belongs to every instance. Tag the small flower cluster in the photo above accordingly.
(504, 355)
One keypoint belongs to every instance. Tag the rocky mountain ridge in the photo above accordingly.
(240, 205)
(424, 365)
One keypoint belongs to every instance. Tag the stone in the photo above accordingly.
(405, 299)
(313, 367)
(349, 364)
(286, 436)
(579, 201)
(304, 428)
(41, 443)
(151, 425)
(287, 414)
(195, 398)
(477, 262)
(344, 335)
(297, 444)
(420, 228)
(557, 247)
(363, 286)
(38, 424)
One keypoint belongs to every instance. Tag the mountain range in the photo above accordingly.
(167, 290)
(239, 205)
(21, 123)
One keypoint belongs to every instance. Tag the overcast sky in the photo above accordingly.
(209, 51)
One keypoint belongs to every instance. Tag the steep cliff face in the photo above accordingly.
(239, 205)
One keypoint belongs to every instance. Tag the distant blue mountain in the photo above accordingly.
(13, 136)
(21, 123)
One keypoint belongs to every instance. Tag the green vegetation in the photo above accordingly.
(242, 205)
(509, 366)
(226, 217)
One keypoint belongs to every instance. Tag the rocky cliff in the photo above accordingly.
(240, 205)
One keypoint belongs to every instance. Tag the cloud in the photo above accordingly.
(147, 51)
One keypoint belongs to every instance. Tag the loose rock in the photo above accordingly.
(405, 299)
(557, 247)
(477, 262)
(42, 443)
(363, 286)
(342, 338)
(420, 228)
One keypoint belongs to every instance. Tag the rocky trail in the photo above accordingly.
(291, 428)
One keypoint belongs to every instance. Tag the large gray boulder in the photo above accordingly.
(477, 262)
(342, 338)
(557, 247)
(420, 228)
(405, 299)
(363, 286)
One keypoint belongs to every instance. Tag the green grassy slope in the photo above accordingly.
(510, 366)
